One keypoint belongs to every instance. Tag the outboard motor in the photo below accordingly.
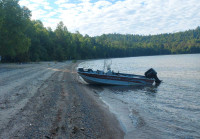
(151, 73)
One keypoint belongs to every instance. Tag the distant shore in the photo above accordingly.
(48, 100)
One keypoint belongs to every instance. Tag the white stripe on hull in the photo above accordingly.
(111, 82)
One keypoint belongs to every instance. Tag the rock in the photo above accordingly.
(47, 137)
(82, 129)
(74, 130)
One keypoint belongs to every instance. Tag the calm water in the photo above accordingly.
(170, 110)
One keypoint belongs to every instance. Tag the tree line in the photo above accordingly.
(24, 40)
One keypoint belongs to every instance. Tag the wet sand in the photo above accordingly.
(48, 100)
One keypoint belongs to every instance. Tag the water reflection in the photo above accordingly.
(148, 90)
(169, 110)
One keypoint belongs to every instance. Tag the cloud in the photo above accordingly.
(118, 16)
(40, 8)
(24, 2)
(61, 1)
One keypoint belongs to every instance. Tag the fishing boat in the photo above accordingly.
(115, 78)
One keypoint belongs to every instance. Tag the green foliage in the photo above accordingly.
(24, 40)
(74, 61)
(13, 23)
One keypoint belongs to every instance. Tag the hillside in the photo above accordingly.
(23, 40)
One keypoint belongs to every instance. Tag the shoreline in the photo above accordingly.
(109, 121)
(47, 100)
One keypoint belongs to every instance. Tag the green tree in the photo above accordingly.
(62, 42)
(13, 40)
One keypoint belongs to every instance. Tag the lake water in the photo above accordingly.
(170, 110)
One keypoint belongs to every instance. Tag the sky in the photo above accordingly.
(97, 17)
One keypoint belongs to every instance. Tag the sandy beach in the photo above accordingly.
(48, 100)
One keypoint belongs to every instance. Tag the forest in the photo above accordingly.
(26, 40)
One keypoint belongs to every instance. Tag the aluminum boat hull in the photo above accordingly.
(105, 79)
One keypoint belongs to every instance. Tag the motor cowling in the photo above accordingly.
(151, 73)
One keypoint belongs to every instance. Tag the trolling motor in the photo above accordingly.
(151, 73)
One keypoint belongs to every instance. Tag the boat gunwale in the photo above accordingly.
(141, 78)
